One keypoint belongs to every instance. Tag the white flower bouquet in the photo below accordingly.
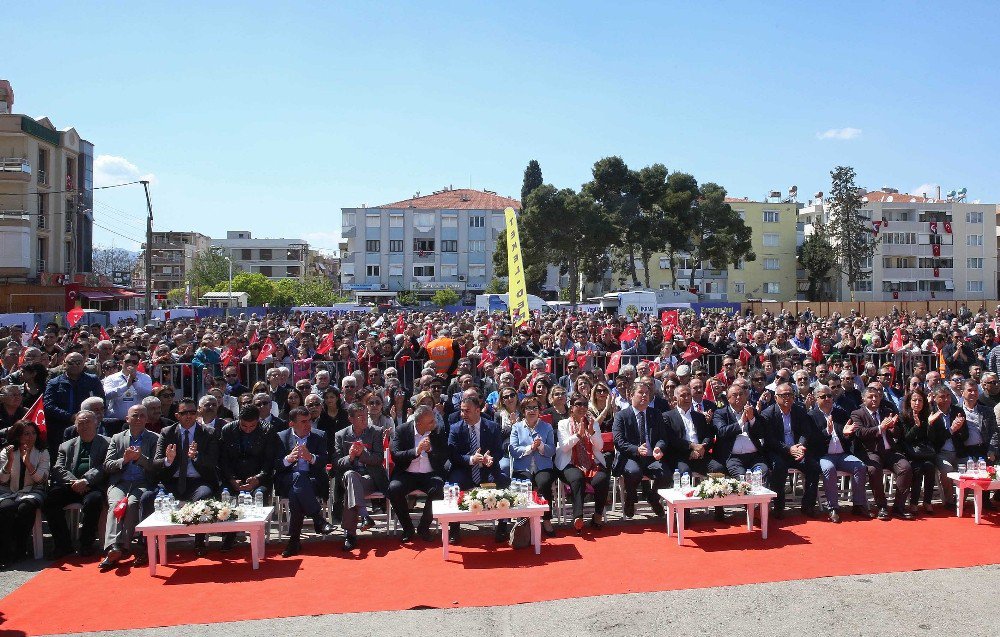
(713, 487)
(204, 512)
(478, 500)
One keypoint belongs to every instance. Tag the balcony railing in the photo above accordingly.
(15, 165)
(41, 265)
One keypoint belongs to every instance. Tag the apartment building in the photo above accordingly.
(444, 240)
(46, 198)
(928, 248)
(274, 258)
(172, 258)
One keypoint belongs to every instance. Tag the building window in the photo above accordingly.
(292, 271)
(863, 286)
(900, 238)
(423, 270)
(639, 264)
(739, 287)
(449, 270)
(246, 255)
(771, 216)
(935, 262)
(43, 166)
(265, 270)
(373, 221)
(477, 246)
(771, 240)
(975, 263)
(43, 209)
(973, 217)
(772, 287)
(423, 245)
(265, 254)
(348, 220)
(395, 221)
(372, 245)
(477, 270)
(742, 214)
(42, 253)
(974, 286)
(974, 240)
(395, 245)
(449, 221)
(372, 270)
(664, 263)
(449, 245)
(739, 265)
(772, 264)
(423, 220)
(395, 270)
(477, 221)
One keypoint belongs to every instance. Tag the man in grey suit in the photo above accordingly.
(77, 477)
(132, 474)
(359, 467)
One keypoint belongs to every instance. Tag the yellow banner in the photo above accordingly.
(517, 293)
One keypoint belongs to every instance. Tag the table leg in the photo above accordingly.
(671, 512)
(262, 538)
(162, 540)
(151, 553)
(764, 513)
(680, 524)
(444, 538)
(960, 500)
(977, 498)
(255, 547)
(536, 533)
(751, 515)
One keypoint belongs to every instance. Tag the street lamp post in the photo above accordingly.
(230, 304)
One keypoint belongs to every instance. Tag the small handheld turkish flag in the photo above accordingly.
(74, 316)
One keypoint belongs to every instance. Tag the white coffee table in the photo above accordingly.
(977, 494)
(678, 503)
(157, 530)
(446, 515)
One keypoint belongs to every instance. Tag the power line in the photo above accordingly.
(117, 233)
(125, 213)
(59, 192)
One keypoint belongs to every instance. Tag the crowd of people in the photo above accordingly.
(342, 409)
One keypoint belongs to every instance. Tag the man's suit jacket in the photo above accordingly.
(114, 461)
(677, 442)
(727, 428)
(821, 438)
(987, 426)
(867, 434)
(628, 438)
(207, 461)
(316, 444)
(237, 464)
(460, 446)
(370, 460)
(403, 449)
(567, 383)
(940, 432)
(774, 429)
(69, 453)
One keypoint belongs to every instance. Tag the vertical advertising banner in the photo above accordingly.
(517, 293)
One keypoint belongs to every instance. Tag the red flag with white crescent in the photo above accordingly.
(669, 318)
(266, 350)
(947, 227)
(74, 316)
(326, 344)
(37, 415)
(933, 227)
(104, 334)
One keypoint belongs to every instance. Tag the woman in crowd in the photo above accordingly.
(24, 472)
(376, 411)
(11, 409)
(428, 399)
(541, 389)
(167, 405)
(558, 408)
(580, 460)
(507, 413)
(918, 447)
(397, 406)
(532, 448)
(281, 357)
(293, 400)
(583, 387)
(207, 359)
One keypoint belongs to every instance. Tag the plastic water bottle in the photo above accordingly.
(972, 466)
(981, 467)
(226, 497)
(758, 479)
(258, 501)
(160, 504)
(685, 480)
(677, 479)
(748, 478)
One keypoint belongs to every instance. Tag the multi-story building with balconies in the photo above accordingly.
(444, 240)
(928, 248)
(274, 258)
(46, 197)
(172, 258)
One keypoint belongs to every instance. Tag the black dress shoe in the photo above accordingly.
(629, 509)
(810, 512)
(859, 511)
(350, 542)
(657, 508)
(325, 529)
(720, 514)
(292, 548)
(549, 530)
(904, 514)
(407, 535)
(834, 516)
(141, 559)
(425, 535)
(228, 542)
(884, 515)
(110, 560)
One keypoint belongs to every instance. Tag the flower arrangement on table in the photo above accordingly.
(478, 500)
(204, 512)
(713, 487)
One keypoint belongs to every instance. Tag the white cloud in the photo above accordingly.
(323, 240)
(840, 133)
(929, 189)
(111, 169)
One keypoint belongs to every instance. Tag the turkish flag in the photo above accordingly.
(486, 357)
(936, 249)
(895, 295)
(166, 315)
(37, 415)
(141, 367)
(897, 340)
(669, 318)
(744, 356)
(934, 227)
(104, 334)
(34, 334)
(326, 344)
(947, 227)
(876, 225)
(428, 335)
(630, 333)
(385, 448)
(266, 350)
(815, 351)
(548, 365)
(937, 272)
(74, 316)
(254, 338)
(400, 324)
(693, 351)
(710, 392)
(653, 367)
(614, 363)
(302, 325)
(519, 372)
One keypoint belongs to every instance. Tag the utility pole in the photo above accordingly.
(149, 252)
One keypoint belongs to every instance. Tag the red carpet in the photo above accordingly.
(624, 558)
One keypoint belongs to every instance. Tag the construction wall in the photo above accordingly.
(32, 298)
(866, 308)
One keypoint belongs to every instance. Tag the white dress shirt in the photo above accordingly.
(422, 463)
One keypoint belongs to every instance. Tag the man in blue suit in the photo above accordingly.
(475, 445)
(300, 475)
(641, 440)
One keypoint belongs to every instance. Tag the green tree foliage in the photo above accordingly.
(617, 190)
(852, 238)
(211, 268)
(259, 288)
(407, 298)
(818, 258)
(443, 298)
(532, 180)
(718, 235)
(496, 286)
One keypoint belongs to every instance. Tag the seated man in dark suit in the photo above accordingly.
(879, 436)
(689, 440)
(738, 433)
(300, 475)
(640, 439)
(359, 459)
(244, 460)
(419, 455)
(788, 434)
(475, 446)
(78, 477)
(187, 455)
(835, 441)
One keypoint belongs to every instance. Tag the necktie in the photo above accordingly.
(642, 427)
(182, 465)
(474, 447)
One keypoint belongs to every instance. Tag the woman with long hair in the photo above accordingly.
(24, 473)
(293, 400)
(917, 446)
(580, 460)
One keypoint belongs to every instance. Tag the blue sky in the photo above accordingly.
(271, 116)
